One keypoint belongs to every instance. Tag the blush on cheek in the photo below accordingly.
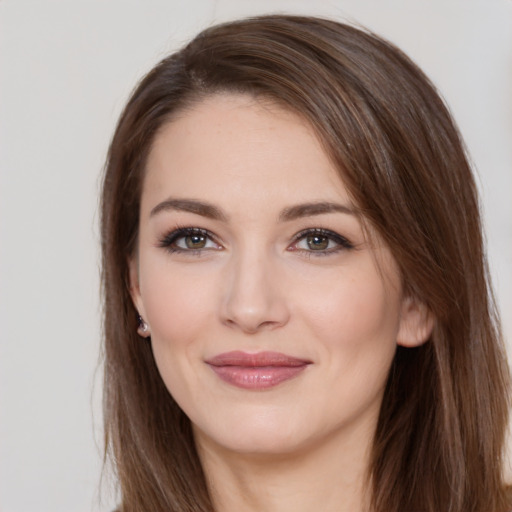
(355, 314)
(175, 303)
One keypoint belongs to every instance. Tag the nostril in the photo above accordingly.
(253, 323)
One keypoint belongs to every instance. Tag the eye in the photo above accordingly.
(189, 240)
(320, 241)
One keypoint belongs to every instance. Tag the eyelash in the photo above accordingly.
(341, 241)
(168, 242)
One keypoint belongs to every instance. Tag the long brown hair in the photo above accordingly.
(440, 436)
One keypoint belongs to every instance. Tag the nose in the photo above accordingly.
(254, 298)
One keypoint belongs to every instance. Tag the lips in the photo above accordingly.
(257, 371)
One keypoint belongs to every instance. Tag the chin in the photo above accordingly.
(259, 436)
(260, 445)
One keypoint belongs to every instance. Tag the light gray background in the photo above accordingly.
(66, 68)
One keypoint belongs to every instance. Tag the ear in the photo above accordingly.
(135, 294)
(416, 323)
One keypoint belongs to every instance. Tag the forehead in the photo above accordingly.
(230, 144)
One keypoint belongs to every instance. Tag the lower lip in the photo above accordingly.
(259, 377)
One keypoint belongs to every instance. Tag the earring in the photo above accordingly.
(143, 328)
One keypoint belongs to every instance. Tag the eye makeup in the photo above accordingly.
(312, 241)
(319, 242)
(191, 240)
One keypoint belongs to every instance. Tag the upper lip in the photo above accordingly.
(254, 360)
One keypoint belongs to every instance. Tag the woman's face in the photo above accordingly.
(273, 320)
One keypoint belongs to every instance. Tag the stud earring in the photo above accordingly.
(143, 328)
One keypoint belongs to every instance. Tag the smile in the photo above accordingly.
(262, 370)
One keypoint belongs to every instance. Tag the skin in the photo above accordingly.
(255, 286)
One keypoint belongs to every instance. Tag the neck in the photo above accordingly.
(332, 476)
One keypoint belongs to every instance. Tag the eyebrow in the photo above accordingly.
(287, 214)
(190, 205)
(310, 209)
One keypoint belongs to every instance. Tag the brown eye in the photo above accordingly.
(320, 242)
(317, 242)
(195, 241)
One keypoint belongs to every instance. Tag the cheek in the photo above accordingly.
(179, 310)
(356, 325)
(356, 308)
(177, 302)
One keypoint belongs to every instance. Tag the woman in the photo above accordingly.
(297, 307)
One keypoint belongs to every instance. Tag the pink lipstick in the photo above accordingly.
(262, 370)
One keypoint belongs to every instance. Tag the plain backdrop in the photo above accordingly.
(66, 69)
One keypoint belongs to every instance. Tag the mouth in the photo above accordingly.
(257, 371)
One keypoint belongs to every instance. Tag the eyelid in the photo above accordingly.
(167, 241)
(343, 242)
